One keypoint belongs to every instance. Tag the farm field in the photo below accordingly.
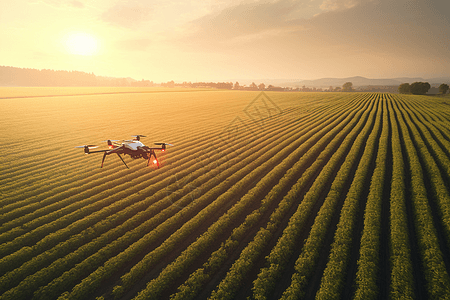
(269, 195)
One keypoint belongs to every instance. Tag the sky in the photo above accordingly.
(218, 40)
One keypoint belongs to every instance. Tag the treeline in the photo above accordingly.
(217, 85)
(420, 88)
(12, 76)
(237, 86)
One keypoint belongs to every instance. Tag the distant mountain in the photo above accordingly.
(13, 76)
(439, 80)
(266, 81)
(362, 81)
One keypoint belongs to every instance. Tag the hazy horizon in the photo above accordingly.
(220, 40)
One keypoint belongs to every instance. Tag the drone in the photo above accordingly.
(134, 148)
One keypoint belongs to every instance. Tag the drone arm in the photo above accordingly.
(163, 146)
(155, 148)
(98, 151)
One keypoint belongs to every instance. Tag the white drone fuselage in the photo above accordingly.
(134, 145)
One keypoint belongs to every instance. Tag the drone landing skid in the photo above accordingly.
(122, 160)
(150, 158)
(104, 156)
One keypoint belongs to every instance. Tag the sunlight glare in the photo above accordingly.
(81, 43)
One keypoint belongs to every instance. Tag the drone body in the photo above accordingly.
(134, 148)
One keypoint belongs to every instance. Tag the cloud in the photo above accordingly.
(403, 26)
(129, 14)
(330, 5)
(254, 19)
(395, 25)
(332, 35)
(259, 18)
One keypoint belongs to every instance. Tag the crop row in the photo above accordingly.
(62, 183)
(244, 162)
(121, 257)
(306, 262)
(283, 250)
(436, 164)
(46, 156)
(233, 278)
(436, 276)
(368, 262)
(401, 280)
(294, 203)
(106, 184)
(125, 215)
(214, 230)
(71, 195)
(163, 281)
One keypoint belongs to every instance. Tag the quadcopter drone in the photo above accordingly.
(134, 148)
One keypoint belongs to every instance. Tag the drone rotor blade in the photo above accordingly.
(88, 146)
(138, 136)
(110, 141)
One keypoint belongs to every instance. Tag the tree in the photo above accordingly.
(262, 87)
(236, 85)
(420, 88)
(443, 88)
(404, 88)
(347, 87)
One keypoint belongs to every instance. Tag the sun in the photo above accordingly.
(81, 43)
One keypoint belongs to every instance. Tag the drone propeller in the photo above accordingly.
(110, 143)
(87, 146)
(138, 136)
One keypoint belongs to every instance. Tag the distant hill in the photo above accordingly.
(12, 76)
(359, 81)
